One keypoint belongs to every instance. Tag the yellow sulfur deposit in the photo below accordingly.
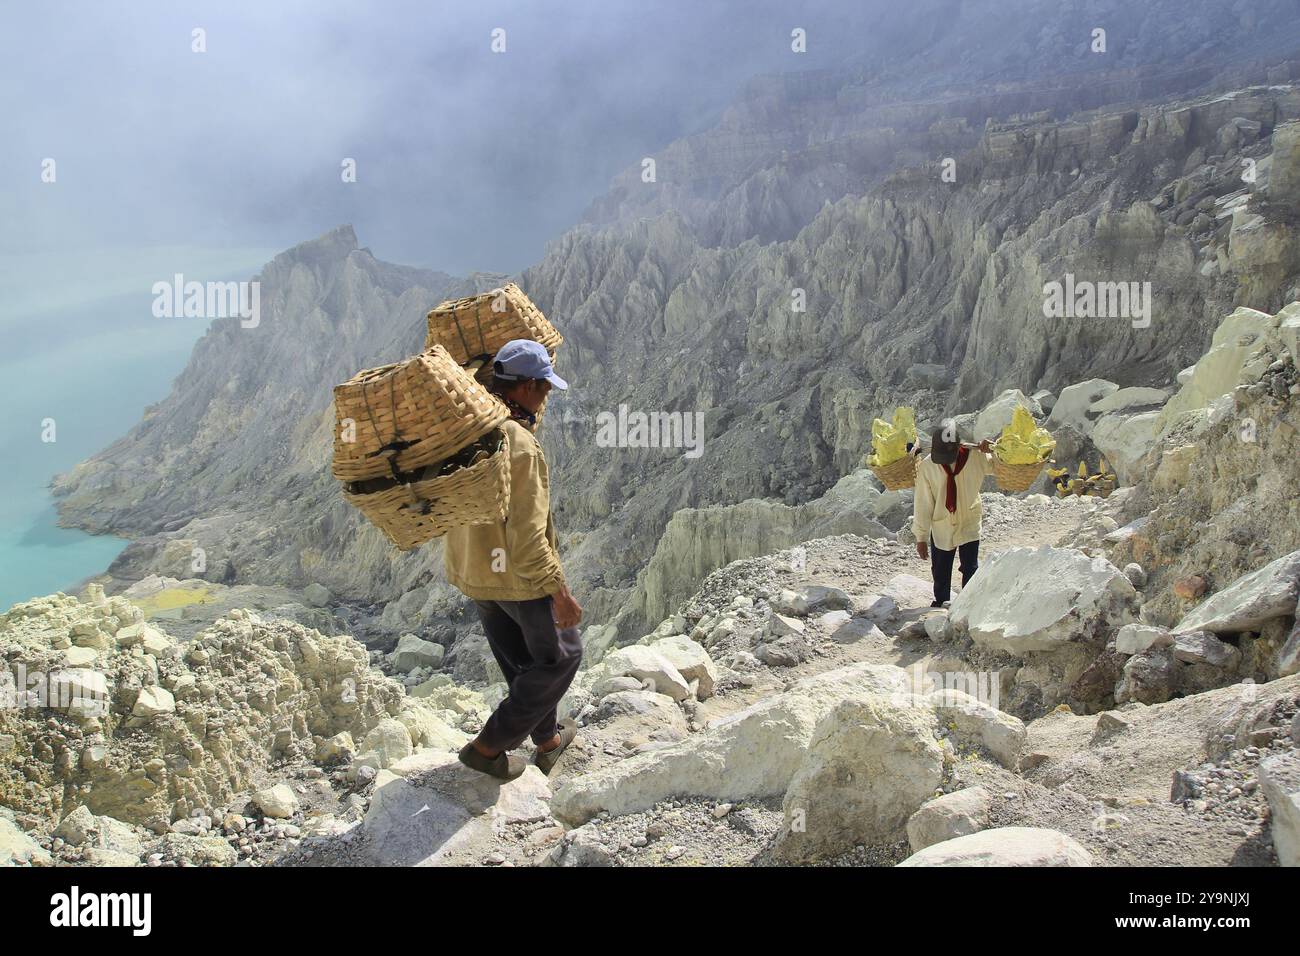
(1022, 442)
(171, 600)
(889, 441)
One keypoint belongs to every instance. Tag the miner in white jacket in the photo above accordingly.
(946, 519)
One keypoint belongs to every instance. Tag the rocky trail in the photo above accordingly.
(1102, 781)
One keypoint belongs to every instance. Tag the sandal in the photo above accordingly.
(547, 759)
(503, 766)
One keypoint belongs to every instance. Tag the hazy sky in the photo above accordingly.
(466, 159)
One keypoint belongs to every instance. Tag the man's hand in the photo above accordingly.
(567, 611)
(922, 550)
(986, 446)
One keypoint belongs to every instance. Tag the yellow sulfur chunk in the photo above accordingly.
(1022, 442)
(889, 441)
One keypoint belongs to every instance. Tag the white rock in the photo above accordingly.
(429, 810)
(811, 599)
(870, 764)
(907, 590)
(153, 701)
(849, 630)
(750, 754)
(581, 848)
(339, 747)
(1288, 328)
(937, 627)
(997, 414)
(17, 848)
(614, 685)
(692, 662)
(1037, 599)
(720, 631)
(879, 608)
(1246, 603)
(975, 722)
(1217, 373)
(779, 625)
(1129, 399)
(832, 620)
(278, 802)
(1136, 638)
(137, 633)
(1279, 776)
(1288, 656)
(784, 651)
(656, 717)
(948, 817)
(317, 595)
(646, 664)
(1005, 846)
(112, 839)
(1125, 440)
(389, 741)
(80, 656)
(1072, 404)
(77, 827)
(1202, 647)
(413, 653)
(427, 727)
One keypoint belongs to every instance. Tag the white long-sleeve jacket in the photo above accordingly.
(931, 516)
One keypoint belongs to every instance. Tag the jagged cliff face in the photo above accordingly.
(918, 273)
(678, 296)
(234, 460)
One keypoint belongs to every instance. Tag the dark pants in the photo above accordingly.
(538, 660)
(941, 567)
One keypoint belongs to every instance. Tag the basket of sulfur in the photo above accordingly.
(1101, 484)
(1020, 452)
(891, 458)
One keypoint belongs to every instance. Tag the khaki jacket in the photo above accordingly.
(931, 515)
(516, 559)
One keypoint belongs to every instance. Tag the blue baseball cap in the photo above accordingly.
(524, 358)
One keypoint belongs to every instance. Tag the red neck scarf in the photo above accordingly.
(951, 500)
(520, 414)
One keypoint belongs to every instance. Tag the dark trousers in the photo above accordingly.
(941, 567)
(538, 660)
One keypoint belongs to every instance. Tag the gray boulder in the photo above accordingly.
(1251, 600)
(1073, 404)
(870, 765)
(1150, 677)
(1279, 776)
(948, 817)
(413, 653)
(1005, 846)
(1202, 647)
(1038, 599)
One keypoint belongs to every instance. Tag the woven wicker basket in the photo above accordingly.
(440, 497)
(409, 415)
(1015, 477)
(898, 475)
(479, 325)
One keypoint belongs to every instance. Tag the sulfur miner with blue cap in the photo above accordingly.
(511, 570)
